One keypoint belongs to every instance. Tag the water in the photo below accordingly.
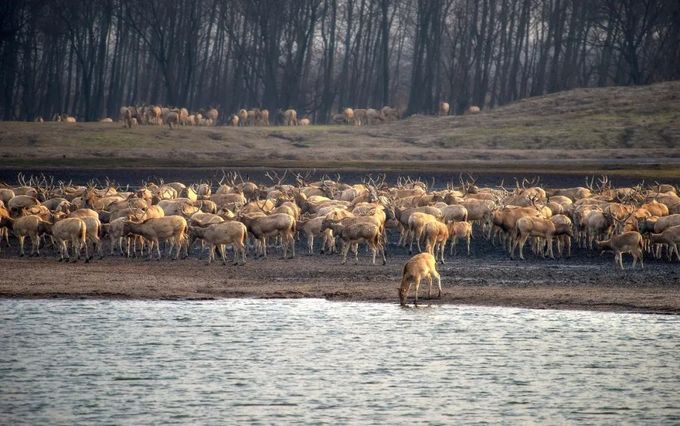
(272, 361)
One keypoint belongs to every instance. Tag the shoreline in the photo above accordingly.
(503, 283)
(422, 302)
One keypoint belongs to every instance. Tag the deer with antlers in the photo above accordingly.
(261, 226)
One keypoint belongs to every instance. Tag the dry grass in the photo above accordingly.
(585, 130)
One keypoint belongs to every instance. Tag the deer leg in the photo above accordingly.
(177, 242)
(408, 288)
(345, 249)
(521, 246)
(62, 249)
(439, 283)
(211, 253)
(415, 302)
(35, 245)
(223, 252)
(641, 257)
(243, 253)
(76, 250)
(87, 254)
(568, 242)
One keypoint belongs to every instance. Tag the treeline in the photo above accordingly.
(89, 57)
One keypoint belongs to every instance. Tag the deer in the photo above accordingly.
(420, 266)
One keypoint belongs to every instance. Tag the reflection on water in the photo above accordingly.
(279, 361)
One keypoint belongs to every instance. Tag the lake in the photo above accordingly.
(315, 361)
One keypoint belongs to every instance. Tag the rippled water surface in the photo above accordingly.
(271, 361)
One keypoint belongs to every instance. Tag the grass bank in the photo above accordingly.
(617, 130)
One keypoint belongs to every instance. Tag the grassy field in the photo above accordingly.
(617, 130)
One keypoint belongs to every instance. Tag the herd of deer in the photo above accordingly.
(156, 115)
(131, 116)
(135, 222)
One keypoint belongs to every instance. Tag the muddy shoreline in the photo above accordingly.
(582, 282)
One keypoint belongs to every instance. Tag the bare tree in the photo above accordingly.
(89, 57)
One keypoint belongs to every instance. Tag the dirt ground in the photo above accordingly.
(488, 277)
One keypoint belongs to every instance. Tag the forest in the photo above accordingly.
(90, 57)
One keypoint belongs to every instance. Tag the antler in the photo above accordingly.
(261, 207)
(382, 180)
(230, 178)
(589, 184)
(533, 200)
(502, 188)
(472, 180)
(301, 180)
(279, 179)
(604, 183)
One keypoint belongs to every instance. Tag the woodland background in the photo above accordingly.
(88, 58)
